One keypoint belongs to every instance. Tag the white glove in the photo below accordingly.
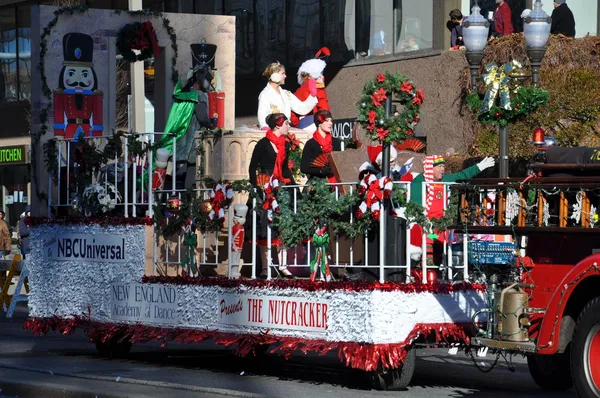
(486, 163)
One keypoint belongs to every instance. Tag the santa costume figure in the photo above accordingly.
(311, 70)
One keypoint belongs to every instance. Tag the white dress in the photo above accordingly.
(270, 101)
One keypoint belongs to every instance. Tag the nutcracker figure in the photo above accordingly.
(77, 101)
(237, 238)
(160, 172)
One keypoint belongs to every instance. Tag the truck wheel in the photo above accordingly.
(585, 354)
(395, 379)
(551, 372)
(113, 349)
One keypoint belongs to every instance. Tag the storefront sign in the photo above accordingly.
(76, 247)
(273, 312)
(146, 303)
(13, 155)
(342, 128)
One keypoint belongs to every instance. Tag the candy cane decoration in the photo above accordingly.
(374, 192)
(220, 196)
(270, 197)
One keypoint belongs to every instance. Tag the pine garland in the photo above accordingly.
(317, 202)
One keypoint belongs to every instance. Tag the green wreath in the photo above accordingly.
(371, 107)
(137, 36)
(525, 101)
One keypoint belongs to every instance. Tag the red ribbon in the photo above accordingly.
(217, 200)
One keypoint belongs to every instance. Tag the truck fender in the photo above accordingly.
(549, 341)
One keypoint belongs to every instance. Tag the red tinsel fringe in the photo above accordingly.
(354, 286)
(362, 356)
(90, 220)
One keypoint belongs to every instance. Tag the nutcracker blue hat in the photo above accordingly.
(78, 49)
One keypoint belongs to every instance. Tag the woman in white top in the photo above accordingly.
(274, 99)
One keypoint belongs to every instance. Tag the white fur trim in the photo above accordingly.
(314, 67)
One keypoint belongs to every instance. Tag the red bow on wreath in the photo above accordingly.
(220, 196)
(270, 197)
(374, 191)
(143, 36)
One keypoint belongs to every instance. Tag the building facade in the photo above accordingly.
(359, 33)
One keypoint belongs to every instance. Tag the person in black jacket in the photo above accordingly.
(270, 158)
(314, 161)
(563, 21)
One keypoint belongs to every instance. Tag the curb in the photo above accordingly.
(52, 385)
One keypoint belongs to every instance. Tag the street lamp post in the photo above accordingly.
(536, 31)
(475, 33)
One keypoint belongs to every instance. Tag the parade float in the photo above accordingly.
(130, 254)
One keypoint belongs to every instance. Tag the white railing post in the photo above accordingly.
(381, 245)
(254, 237)
(174, 172)
(126, 177)
(229, 239)
(424, 236)
(150, 171)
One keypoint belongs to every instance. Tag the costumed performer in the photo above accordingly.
(311, 70)
(315, 155)
(275, 99)
(270, 155)
(434, 170)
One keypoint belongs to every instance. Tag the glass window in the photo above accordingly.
(392, 27)
(413, 25)
(8, 56)
(24, 46)
(272, 26)
(305, 30)
(244, 33)
(336, 17)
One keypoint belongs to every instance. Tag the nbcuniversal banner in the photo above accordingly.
(89, 247)
(273, 312)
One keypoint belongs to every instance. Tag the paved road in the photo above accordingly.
(66, 366)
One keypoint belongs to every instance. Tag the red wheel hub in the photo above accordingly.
(592, 360)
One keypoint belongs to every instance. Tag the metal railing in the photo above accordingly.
(125, 167)
(138, 199)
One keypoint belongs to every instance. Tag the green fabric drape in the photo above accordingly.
(178, 122)
(180, 116)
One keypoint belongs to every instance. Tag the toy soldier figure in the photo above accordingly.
(77, 101)
(237, 238)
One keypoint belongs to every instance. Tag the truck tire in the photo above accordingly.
(585, 353)
(551, 372)
(395, 379)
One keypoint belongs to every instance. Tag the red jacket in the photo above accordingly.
(502, 21)
(302, 94)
